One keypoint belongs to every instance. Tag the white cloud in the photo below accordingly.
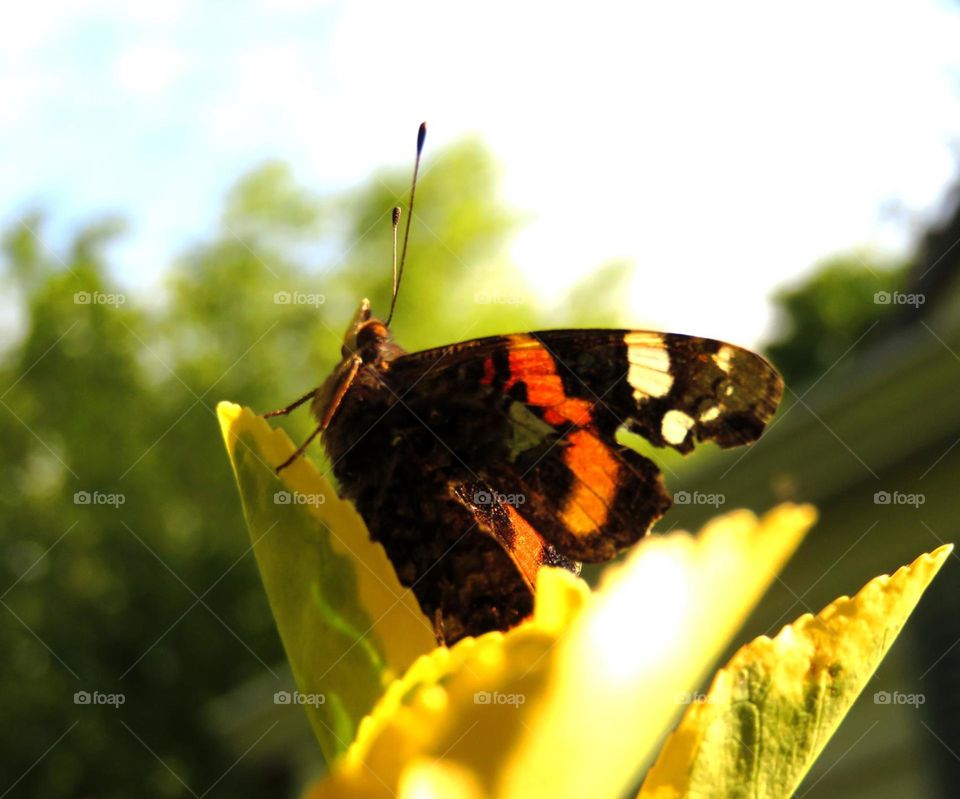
(149, 68)
(723, 148)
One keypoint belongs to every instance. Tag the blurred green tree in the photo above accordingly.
(829, 313)
(154, 594)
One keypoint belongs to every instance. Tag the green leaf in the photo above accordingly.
(347, 625)
(773, 707)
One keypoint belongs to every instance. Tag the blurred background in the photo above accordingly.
(194, 197)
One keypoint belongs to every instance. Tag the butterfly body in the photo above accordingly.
(478, 463)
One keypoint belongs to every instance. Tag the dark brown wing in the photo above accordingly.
(567, 392)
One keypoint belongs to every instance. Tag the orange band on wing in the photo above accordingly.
(533, 366)
(596, 471)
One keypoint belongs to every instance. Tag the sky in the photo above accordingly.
(723, 149)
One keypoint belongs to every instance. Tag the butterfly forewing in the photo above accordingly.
(557, 399)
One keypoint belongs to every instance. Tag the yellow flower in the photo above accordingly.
(576, 701)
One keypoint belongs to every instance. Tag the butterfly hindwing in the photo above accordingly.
(588, 498)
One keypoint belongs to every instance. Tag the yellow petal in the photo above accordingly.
(347, 624)
(658, 624)
(773, 707)
(567, 704)
(435, 712)
(438, 779)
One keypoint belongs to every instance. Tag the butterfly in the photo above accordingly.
(478, 463)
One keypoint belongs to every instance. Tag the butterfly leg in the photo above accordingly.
(292, 406)
(300, 450)
(439, 630)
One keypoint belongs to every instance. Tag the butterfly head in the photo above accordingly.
(365, 337)
(366, 343)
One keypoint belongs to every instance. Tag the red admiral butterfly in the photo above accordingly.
(477, 463)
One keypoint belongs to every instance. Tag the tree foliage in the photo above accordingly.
(828, 315)
(111, 391)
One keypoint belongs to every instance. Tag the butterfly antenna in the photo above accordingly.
(421, 135)
(396, 223)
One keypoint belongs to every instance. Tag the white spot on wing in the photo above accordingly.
(724, 357)
(675, 426)
(649, 374)
(710, 414)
